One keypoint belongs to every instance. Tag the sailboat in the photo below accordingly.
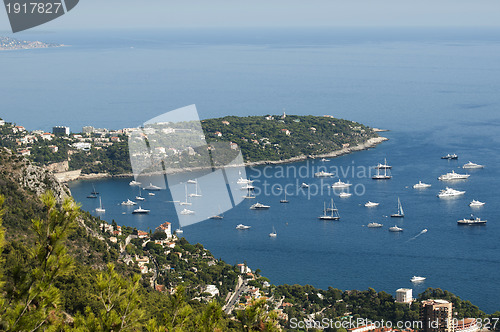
(186, 202)
(380, 176)
(334, 212)
(218, 216)
(400, 213)
(384, 165)
(249, 195)
(273, 234)
(100, 209)
(140, 198)
(196, 192)
(284, 200)
(94, 192)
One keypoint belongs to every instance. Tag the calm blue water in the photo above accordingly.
(437, 90)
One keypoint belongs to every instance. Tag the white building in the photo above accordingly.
(165, 227)
(82, 146)
(212, 289)
(60, 130)
(404, 295)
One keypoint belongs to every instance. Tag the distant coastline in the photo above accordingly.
(370, 143)
(12, 44)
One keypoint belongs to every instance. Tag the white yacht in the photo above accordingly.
(371, 204)
(449, 192)
(395, 229)
(475, 203)
(417, 279)
(244, 181)
(374, 225)
(273, 233)
(324, 160)
(323, 174)
(472, 221)
(100, 209)
(380, 176)
(453, 176)
(151, 194)
(259, 206)
(472, 165)
(186, 212)
(192, 181)
(129, 203)
(421, 185)
(334, 212)
(400, 213)
(304, 185)
(345, 195)
(152, 187)
(134, 183)
(248, 187)
(241, 226)
(450, 156)
(179, 230)
(140, 210)
(340, 184)
(384, 165)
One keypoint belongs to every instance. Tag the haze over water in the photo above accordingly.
(436, 90)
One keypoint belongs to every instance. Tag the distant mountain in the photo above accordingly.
(7, 43)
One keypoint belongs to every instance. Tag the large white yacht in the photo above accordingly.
(374, 225)
(340, 184)
(241, 226)
(152, 187)
(323, 174)
(259, 206)
(470, 164)
(129, 203)
(453, 176)
(140, 210)
(134, 183)
(449, 192)
(472, 221)
(417, 279)
(371, 204)
(421, 185)
(244, 181)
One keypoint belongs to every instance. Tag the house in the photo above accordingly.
(142, 234)
(46, 136)
(286, 132)
(165, 227)
(24, 152)
(218, 134)
(115, 139)
(53, 148)
(312, 129)
(233, 146)
(2, 122)
(269, 118)
(242, 268)
(212, 290)
(226, 123)
(345, 145)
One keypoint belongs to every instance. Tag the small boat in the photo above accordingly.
(273, 233)
(100, 209)
(475, 203)
(383, 166)
(325, 160)
(248, 187)
(186, 202)
(128, 203)
(192, 181)
(340, 184)
(323, 174)
(449, 192)
(151, 194)
(92, 196)
(334, 215)
(371, 204)
(259, 206)
(395, 229)
(94, 192)
(187, 212)
(374, 225)
(284, 200)
(453, 176)
(345, 195)
(140, 210)
(450, 157)
(304, 185)
(244, 181)
(421, 185)
(241, 227)
(417, 279)
(152, 187)
(472, 221)
(179, 230)
(400, 213)
(472, 165)
(218, 216)
(380, 176)
(134, 183)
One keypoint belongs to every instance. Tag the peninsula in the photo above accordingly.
(7, 44)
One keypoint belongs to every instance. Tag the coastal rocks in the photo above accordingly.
(39, 181)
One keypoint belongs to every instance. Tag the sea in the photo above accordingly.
(435, 89)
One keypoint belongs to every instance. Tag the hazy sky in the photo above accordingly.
(261, 13)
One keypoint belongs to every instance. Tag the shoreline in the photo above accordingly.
(70, 176)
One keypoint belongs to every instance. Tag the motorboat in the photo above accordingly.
(374, 225)
(450, 157)
(472, 165)
(449, 192)
(453, 176)
(186, 212)
(339, 184)
(128, 202)
(134, 183)
(395, 229)
(152, 187)
(241, 227)
(421, 185)
(244, 181)
(475, 203)
(417, 279)
(345, 195)
(273, 233)
(323, 174)
(140, 210)
(472, 221)
(304, 185)
(259, 206)
(371, 204)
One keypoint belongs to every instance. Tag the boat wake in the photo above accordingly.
(415, 237)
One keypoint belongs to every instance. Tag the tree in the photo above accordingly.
(35, 303)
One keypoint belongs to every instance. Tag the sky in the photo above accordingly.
(107, 14)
